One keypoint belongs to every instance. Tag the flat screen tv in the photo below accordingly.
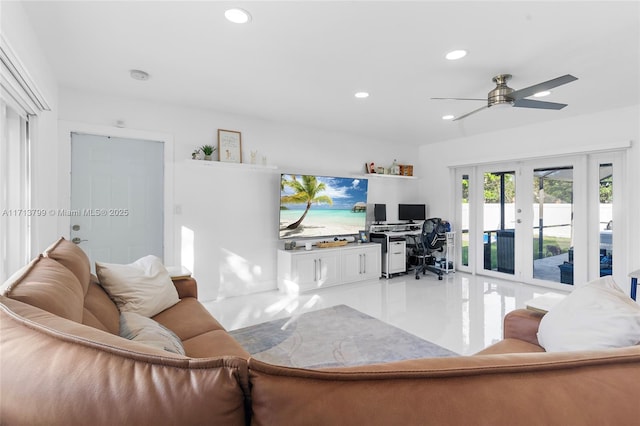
(321, 206)
(412, 212)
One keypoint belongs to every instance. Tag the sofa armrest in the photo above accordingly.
(522, 324)
(186, 287)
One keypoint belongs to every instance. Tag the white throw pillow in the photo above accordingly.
(596, 315)
(143, 287)
(145, 330)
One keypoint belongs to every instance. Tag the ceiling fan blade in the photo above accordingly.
(472, 112)
(530, 103)
(541, 87)
(462, 99)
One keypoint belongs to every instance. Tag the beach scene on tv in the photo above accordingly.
(321, 206)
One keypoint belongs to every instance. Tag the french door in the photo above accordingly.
(547, 222)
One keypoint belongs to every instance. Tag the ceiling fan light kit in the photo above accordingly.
(503, 95)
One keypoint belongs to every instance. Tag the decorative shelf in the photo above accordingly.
(257, 167)
(381, 176)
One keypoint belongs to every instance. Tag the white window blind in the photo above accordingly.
(15, 193)
(20, 102)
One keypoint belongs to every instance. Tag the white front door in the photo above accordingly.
(117, 197)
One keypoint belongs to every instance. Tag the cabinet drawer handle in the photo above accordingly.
(315, 269)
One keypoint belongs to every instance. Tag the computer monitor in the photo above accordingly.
(380, 212)
(412, 212)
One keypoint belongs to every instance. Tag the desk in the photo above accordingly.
(394, 249)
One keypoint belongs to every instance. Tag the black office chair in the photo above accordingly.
(431, 239)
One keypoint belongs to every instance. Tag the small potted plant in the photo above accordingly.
(207, 150)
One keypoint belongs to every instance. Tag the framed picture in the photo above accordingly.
(229, 146)
(363, 236)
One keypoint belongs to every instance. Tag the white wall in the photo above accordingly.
(17, 31)
(232, 212)
(541, 140)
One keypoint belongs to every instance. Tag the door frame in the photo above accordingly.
(66, 128)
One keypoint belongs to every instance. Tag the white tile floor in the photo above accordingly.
(462, 312)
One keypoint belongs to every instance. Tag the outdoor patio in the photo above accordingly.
(547, 268)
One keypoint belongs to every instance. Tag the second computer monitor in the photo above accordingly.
(412, 212)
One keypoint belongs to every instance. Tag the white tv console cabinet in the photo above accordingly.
(303, 270)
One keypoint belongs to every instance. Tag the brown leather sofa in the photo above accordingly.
(62, 362)
(514, 382)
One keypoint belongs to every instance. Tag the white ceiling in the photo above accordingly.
(301, 62)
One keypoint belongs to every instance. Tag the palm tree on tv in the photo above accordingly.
(306, 192)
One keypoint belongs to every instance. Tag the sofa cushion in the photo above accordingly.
(99, 310)
(213, 344)
(596, 315)
(48, 285)
(71, 257)
(201, 334)
(143, 287)
(145, 330)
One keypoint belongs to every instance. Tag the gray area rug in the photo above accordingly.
(339, 336)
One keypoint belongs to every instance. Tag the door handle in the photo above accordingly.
(77, 240)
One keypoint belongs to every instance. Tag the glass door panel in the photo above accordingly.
(606, 218)
(499, 221)
(464, 221)
(552, 225)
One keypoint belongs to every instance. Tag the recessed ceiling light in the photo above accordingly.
(448, 117)
(139, 75)
(542, 94)
(456, 54)
(237, 16)
(361, 95)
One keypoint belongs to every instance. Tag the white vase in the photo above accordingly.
(208, 158)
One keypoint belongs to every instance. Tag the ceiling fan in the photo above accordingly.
(505, 95)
